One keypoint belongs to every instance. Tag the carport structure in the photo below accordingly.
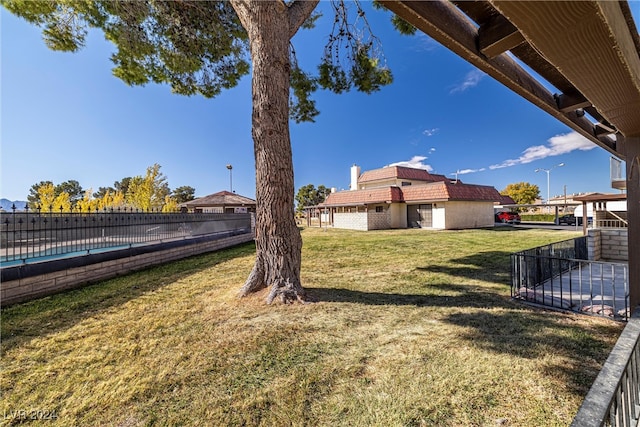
(589, 51)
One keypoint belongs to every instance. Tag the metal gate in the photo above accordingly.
(419, 216)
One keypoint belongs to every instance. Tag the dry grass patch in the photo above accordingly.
(409, 327)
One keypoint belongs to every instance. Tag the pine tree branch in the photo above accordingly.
(299, 11)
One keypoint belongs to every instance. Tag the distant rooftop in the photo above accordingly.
(400, 172)
(220, 198)
(433, 191)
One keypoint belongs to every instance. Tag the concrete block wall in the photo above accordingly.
(610, 244)
(593, 244)
(351, 221)
(379, 220)
(29, 288)
(614, 245)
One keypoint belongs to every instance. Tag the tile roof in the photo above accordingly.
(433, 191)
(506, 200)
(400, 172)
(460, 191)
(360, 197)
(221, 198)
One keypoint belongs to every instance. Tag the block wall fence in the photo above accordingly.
(609, 244)
(24, 285)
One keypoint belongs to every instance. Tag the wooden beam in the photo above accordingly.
(498, 36)
(604, 129)
(568, 102)
(446, 24)
(590, 41)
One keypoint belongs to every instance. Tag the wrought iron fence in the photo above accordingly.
(538, 267)
(28, 235)
(614, 397)
(560, 276)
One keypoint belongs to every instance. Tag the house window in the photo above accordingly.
(379, 209)
(405, 183)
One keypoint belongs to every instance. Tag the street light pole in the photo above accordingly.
(548, 171)
(230, 178)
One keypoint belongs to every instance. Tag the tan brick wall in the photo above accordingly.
(610, 244)
(593, 244)
(379, 220)
(29, 288)
(614, 245)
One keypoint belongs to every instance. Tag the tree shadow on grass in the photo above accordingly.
(492, 266)
(25, 321)
(534, 334)
(499, 325)
(447, 295)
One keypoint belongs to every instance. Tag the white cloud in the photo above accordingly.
(432, 150)
(425, 43)
(557, 145)
(430, 132)
(415, 162)
(472, 79)
(466, 171)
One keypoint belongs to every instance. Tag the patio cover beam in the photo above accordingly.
(497, 37)
(593, 45)
(448, 25)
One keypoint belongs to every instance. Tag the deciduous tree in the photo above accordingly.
(33, 198)
(523, 193)
(52, 202)
(170, 204)
(112, 200)
(206, 46)
(88, 203)
(148, 192)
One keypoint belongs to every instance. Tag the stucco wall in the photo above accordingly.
(468, 215)
(398, 213)
(445, 215)
(438, 215)
(351, 221)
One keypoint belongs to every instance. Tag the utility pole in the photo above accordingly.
(547, 171)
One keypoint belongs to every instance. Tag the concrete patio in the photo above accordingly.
(592, 287)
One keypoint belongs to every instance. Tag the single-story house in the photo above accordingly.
(403, 197)
(220, 202)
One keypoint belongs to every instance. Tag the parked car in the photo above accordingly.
(567, 219)
(505, 216)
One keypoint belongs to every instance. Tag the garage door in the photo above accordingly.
(419, 216)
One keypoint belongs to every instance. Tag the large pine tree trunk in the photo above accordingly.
(278, 241)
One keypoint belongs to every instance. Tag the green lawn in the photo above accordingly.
(407, 327)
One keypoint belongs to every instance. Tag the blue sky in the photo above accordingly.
(64, 116)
